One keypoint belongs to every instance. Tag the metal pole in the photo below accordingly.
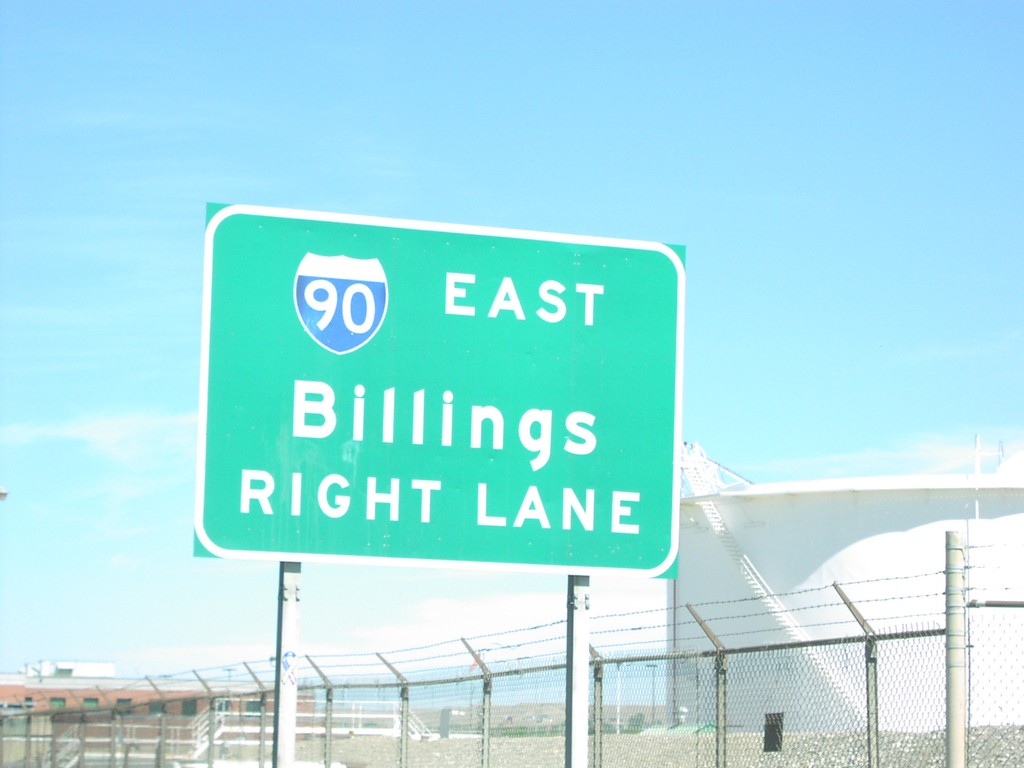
(871, 673)
(598, 708)
(28, 738)
(286, 675)
(114, 717)
(403, 746)
(956, 653)
(403, 725)
(162, 728)
(871, 667)
(328, 712)
(211, 720)
(721, 678)
(328, 727)
(618, 698)
(161, 745)
(211, 731)
(673, 667)
(577, 664)
(654, 687)
(263, 714)
(53, 741)
(82, 743)
(485, 747)
(721, 668)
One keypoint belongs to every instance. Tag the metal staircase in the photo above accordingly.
(69, 748)
(705, 478)
(418, 731)
(201, 732)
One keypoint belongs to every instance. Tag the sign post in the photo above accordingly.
(577, 667)
(286, 675)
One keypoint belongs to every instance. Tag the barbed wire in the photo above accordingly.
(999, 545)
(643, 628)
(491, 642)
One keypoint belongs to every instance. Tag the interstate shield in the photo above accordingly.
(341, 301)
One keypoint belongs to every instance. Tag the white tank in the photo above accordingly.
(783, 545)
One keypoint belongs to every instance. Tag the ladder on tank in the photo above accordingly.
(704, 478)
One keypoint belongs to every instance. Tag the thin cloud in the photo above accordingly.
(140, 456)
(925, 454)
(128, 440)
(492, 618)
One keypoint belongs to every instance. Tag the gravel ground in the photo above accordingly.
(989, 748)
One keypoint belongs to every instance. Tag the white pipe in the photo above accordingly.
(956, 653)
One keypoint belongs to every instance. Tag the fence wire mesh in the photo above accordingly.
(498, 701)
(996, 734)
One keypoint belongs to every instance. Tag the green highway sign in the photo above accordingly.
(387, 391)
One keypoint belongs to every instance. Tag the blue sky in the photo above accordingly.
(846, 178)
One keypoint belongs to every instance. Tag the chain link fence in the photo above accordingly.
(996, 621)
(498, 701)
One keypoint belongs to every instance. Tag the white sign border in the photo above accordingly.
(429, 226)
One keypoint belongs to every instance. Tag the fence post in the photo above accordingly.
(263, 714)
(956, 653)
(403, 757)
(328, 726)
(263, 729)
(721, 666)
(53, 740)
(485, 746)
(114, 717)
(161, 744)
(211, 720)
(211, 731)
(161, 728)
(721, 723)
(598, 707)
(28, 738)
(54, 744)
(403, 748)
(871, 675)
(328, 712)
(871, 667)
(83, 725)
